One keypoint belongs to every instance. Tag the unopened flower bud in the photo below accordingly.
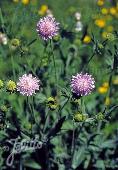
(11, 86)
(100, 116)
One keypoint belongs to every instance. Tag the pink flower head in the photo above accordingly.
(47, 27)
(82, 84)
(27, 85)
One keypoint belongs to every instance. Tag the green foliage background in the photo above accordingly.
(71, 145)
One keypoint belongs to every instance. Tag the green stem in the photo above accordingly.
(61, 108)
(31, 113)
(44, 52)
(13, 68)
(46, 121)
(73, 140)
(33, 41)
(85, 66)
(51, 43)
(82, 106)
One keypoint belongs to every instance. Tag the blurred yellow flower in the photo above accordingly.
(104, 11)
(100, 2)
(25, 2)
(105, 84)
(43, 10)
(87, 39)
(107, 101)
(104, 34)
(11, 86)
(100, 23)
(110, 28)
(113, 11)
(104, 88)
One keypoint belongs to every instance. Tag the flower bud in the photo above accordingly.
(11, 86)
(15, 43)
(100, 116)
(78, 117)
(52, 103)
(3, 108)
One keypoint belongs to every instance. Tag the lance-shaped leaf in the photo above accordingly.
(92, 137)
(56, 128)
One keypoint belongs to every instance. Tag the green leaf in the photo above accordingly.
(57, 127)
(32, 164)
(40, 98)
(78, 157)
(100, 164)
(108, 144)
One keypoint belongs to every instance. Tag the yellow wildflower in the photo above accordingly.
(107, 101)
(100, 23)
(100, 2)
(110, 28)
(113, 11)
(43, 10)
(104, 11)
(105, 84)
(87, 39)
(11, 86)
(25, 2)
(104, 88)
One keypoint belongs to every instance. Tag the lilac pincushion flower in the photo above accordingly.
(47, 27)
(27, 85)
(82, 84)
